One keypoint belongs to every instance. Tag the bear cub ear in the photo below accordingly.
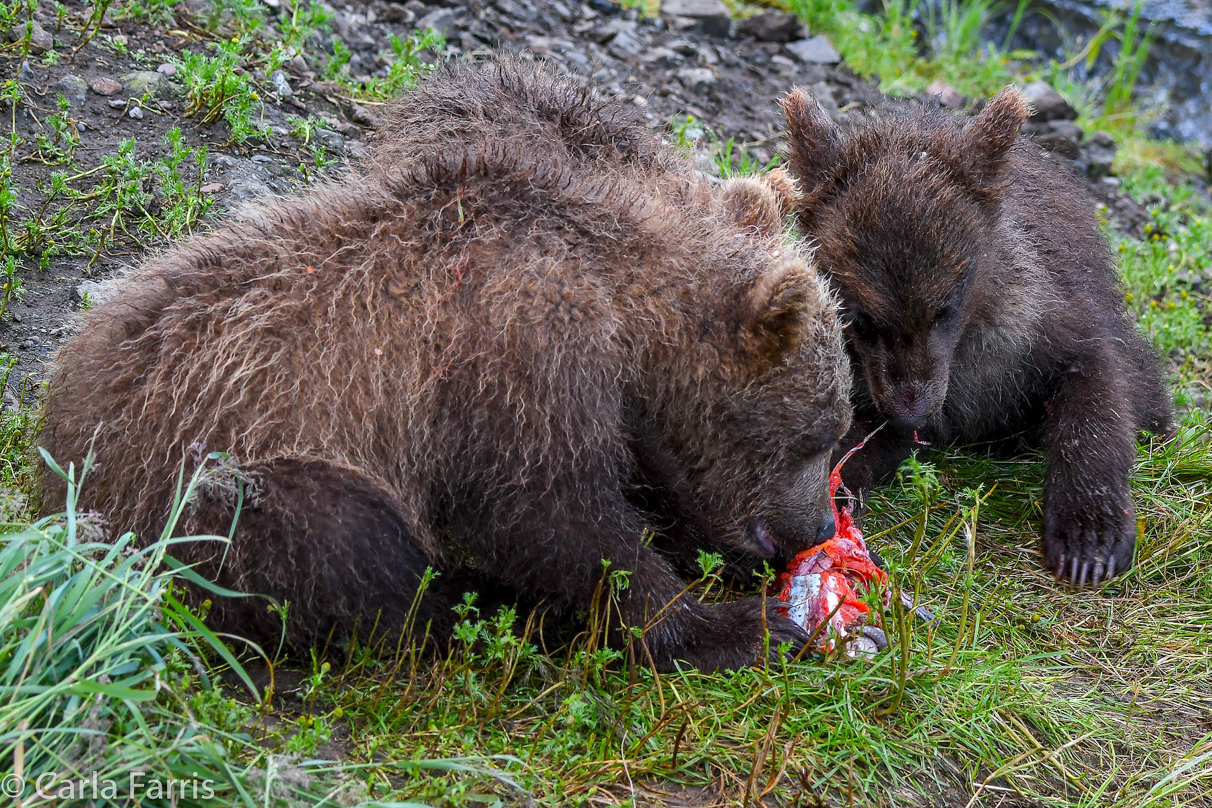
(763, 204)
(992, 133)
(777, 313)
(813, 141)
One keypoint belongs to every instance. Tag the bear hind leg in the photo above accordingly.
(328, 540)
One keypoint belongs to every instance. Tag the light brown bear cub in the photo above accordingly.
(510, 347)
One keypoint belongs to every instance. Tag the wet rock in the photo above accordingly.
(333, 141)
(94, 293)
(817, 50)
(102, 85)
(696, 79)
(143, 82)
(363, 117)
(607, 31)
(1047, 103)
(823, 94)
(683, 46)
(442, 20)
(710, 16)
(1098, 153)
(947, 95)
(773, 26)
(73, 88)
(605, 6)
(280, 84)
(1062, 137)
(784, 65)
(625, 46)
(661, 57)
(40, 39)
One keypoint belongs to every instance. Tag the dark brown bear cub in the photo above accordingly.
(982, 305)
(491, 351)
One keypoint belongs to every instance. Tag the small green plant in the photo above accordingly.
(334, 65)
(155, 12)
(301, 25)
(406, 65)
(12, 285)
(214, 88)
(736, 161)
(687, 131)
(61, 146)
(245, 16)
(183, 203)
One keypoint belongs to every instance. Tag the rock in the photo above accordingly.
(683, 46)
(73, 88)
(1060, 137)
(773, 26)
(1047, 103)
(817, 50)
(143, 82)
(167, 70)
(135, 112)
(40, 39)
(96, 293)
(784, 65)
(823, 93)
(1098, 154)
(332, 141)
(25, 73)
(117, 103)
(280, 84)
(363, 116)
(211, 188)
(102, 85)
(625, 45)
(661, 57)
(947, 95)
(605, 6)
(605, 32)
(441, 20)
(696, 79)
(710, 16)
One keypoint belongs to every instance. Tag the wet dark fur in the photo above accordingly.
(521, 321)
(982, 305)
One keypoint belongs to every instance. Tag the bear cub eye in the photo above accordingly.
(862, 326)
(944, 317)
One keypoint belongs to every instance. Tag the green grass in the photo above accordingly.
(105, 671)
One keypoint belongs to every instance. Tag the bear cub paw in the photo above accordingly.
(1089, 536)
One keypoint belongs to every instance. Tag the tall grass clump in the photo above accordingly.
(106, 689)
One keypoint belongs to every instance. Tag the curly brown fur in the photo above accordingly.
(486, 352)
(983, 305)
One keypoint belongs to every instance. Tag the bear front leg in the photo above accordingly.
(554, 545)
(1089, 522)
(877, 460)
